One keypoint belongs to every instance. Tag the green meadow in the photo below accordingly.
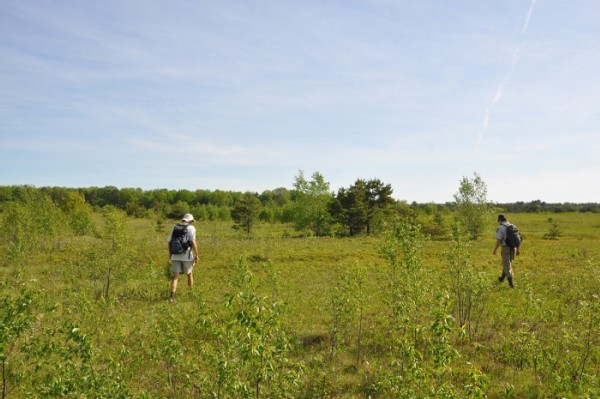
(275, 314)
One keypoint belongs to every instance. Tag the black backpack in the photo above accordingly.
(180, 241)
(513, 236)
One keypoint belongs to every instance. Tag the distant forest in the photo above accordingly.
(276, 204)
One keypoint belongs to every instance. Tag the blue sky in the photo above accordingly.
(242, 95)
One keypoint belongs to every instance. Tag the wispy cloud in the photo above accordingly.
(117, 90)
(513, 66)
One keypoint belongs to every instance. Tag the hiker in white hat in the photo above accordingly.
(183, 251)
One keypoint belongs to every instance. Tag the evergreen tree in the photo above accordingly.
(246, 211)
(359, 206)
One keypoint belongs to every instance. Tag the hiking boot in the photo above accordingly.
(500, 279)
(510, 283)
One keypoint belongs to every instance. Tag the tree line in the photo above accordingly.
(361, 208)
(539, 206)
(311, 206)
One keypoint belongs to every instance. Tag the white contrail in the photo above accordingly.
(513, 66)
(498, 96)
(529, 16)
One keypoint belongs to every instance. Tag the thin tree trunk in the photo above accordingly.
(107, 283)
(359, 342)
(3, 378)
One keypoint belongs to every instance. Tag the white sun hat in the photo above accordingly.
(188, 217)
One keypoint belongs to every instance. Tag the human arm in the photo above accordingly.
(192, 242)
(500, 236)
(498, 243)
(195, 249)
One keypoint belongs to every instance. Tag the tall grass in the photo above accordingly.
(275, 315)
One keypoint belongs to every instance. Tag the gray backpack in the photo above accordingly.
(513, 236)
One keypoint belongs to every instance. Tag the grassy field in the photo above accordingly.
(277, 315)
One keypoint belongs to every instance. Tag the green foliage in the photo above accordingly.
(350, 209)
(178, 209)
(15, 318)
(15, 234)
(43, 217)
(256, 329)
(108, 259)
(114, 234)
(398, 325)
(435, 226)
(346, 297)
(279, 197)
(312, 204)
(78, 212)
(402, 246)
(81, 221)
(478, 383)
(554, 231)
(473, 210)
(362, 206)
(442, 349)
(250, 353)
(177, 371)
(246, 211)
(68, 366)
(538, 206)
(402, 250)
(421, 360)
(31, 220)
(468, 284)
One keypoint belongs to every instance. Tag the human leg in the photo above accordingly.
(174, 284)
(177, 269)
(507, 272)
(512, 272)
(188, 268)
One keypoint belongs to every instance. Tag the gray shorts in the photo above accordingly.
(182, 266)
